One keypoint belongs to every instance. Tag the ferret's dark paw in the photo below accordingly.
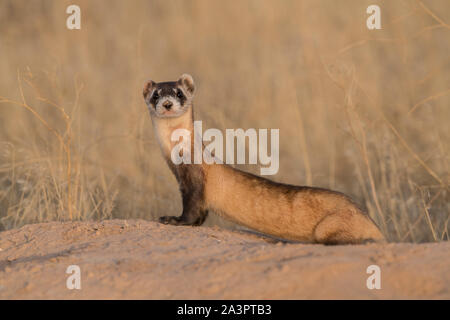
(170, 220)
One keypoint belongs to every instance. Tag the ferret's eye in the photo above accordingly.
(155, 96)
(180, 94)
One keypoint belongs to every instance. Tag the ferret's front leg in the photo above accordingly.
(186, 219)
(194, 212)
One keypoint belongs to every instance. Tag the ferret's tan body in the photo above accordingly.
(289, 212)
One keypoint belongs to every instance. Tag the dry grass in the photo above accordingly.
(364, 112)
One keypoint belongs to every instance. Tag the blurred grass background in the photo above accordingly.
(359, 111)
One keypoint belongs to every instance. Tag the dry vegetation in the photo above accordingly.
(364, 112)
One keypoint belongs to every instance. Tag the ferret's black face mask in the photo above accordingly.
(169, 99)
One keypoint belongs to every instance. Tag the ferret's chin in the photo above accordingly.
(169, 114)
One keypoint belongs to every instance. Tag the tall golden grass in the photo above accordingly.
(363, 112)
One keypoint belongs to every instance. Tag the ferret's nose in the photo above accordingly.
(167, 105)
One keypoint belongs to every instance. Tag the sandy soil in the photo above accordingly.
(138, 259)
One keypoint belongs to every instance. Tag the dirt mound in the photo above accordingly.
(127, 259)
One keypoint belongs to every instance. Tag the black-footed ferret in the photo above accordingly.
(298, 213)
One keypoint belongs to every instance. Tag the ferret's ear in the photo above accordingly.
(188, 84)
(148, 88)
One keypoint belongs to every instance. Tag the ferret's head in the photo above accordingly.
(169, 99)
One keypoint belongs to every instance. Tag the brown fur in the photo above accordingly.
(289, 212)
